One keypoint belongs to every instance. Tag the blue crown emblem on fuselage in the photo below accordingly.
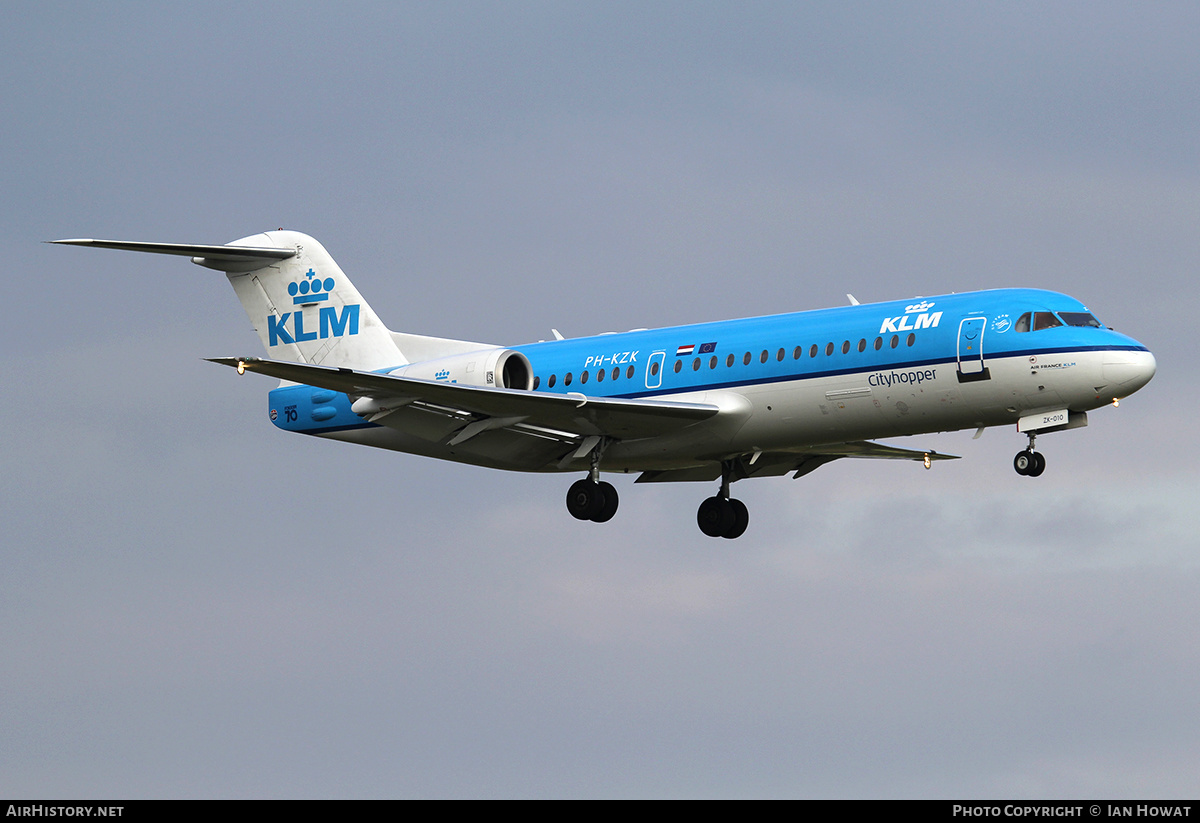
(310, 290)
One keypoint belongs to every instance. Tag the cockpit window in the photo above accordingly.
(1080, 318)
(1045, 320)
(1023, 321)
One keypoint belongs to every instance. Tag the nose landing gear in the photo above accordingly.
(1029, 463)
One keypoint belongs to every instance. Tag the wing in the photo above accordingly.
(480, 408)
(801, 462)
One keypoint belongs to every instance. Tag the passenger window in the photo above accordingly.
(653, 369)
(862, 345)
(846, 347)
(912, 338)
(895, 340)
(616, 372)
(567, 379)
(796, 354)
(813, 351)
(1045, 320)
(678, 366)
(762, 358)
(583, 377)
(878, 343)
(536, 382)
(828, 349)
(712, 363)
(779, 355)
(746, 359)
(599, 375)
(550, 382)
(729, 361)
(696, 364)
(629, 372)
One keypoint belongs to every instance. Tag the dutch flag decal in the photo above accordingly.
(685, 350)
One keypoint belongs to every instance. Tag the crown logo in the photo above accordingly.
(310, 290)
(924, 305)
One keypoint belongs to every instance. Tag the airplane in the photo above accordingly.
(731, 400)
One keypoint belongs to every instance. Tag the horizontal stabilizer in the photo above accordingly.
(214, 257)
(573, 414)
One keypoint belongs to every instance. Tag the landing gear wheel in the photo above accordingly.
(1029, 463)
(610, 503)
(715, 516)
(1039, 464)
(585, 499)
(1024, 462)
(741, 519)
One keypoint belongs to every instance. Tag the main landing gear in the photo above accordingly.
(1029, 463)
(721, 515)
(592, 498)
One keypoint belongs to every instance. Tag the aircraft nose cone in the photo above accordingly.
(1129, 370)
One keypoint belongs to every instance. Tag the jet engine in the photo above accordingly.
(494, 368)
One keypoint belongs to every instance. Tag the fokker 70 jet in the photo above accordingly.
(755, 397)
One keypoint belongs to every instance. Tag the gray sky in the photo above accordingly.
(196, 604)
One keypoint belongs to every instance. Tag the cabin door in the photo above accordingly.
(970, 349)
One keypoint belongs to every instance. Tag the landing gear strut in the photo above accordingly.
(592, 498)
(1029, 463)
(721, 515)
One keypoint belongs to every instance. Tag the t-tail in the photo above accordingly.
(303, 306)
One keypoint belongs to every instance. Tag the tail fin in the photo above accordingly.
(302, 305)
(305, 309)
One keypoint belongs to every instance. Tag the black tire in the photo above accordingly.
(741, 519)
(1039, 465)
(1023, 462)
(584, 499)
(715, 516)
(610, 503)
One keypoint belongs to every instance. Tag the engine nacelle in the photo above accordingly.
(498, 368)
